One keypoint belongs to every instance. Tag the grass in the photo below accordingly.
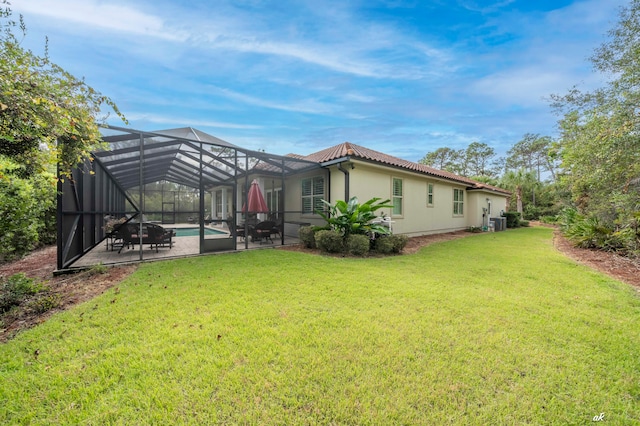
(496, 328)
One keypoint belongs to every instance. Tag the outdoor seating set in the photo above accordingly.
(126, 235)
(259, 231)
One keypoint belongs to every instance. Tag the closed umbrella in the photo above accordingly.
(255, 200)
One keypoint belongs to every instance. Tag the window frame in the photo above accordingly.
(430, 196)
(315, 197)
(458, 202)
(395, 197)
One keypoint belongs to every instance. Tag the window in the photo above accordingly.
(396, 198)
(429, 195)
(458, 202)
(275, 202)
(312, 194)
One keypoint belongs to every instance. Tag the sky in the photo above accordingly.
(401, 77)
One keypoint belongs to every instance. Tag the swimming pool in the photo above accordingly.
(195, 232)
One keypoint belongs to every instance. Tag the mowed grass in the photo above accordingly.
(496, 328)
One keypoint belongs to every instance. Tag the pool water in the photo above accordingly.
(195, 232)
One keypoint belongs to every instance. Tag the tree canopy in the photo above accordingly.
(600, 143)
(478, 159)
(47, 116)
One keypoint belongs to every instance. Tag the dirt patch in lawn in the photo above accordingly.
(68, 290)
(72, 289)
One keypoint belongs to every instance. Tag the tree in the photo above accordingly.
(533, 152)
(600, 147)
(47, 116)
(476, 160)
(517, 182)
(443, 158)
(479, 158)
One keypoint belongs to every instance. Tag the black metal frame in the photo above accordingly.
(133, 158)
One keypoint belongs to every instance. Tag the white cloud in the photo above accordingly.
(155, 118)
(112, 17)
(310, 106)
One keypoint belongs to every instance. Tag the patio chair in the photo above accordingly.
(157, 236)
(128, 235)
(278, 230)
(262, 231)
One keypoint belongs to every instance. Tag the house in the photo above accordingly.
(122, 181)
(425, 200)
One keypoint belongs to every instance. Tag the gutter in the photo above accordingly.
(346, 180)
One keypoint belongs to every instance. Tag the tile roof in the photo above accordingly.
(348, 149)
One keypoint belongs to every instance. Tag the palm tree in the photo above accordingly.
(516, 181)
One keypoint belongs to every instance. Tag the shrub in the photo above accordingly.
(358, 244)
(329, 241)
(399, 242)
(307, 236)
(29, 205)
(625, 240)
(513, 219)
(549, 219)
(568, 217)
(45, 303)
(474, 229)
(523, 223)
(98, 269)
(15, 290)
(384, 245)
(588, 233)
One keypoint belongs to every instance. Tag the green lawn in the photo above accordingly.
(497, 328)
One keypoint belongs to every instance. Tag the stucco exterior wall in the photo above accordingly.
(484, 205)
(419, 218)
(368, 180)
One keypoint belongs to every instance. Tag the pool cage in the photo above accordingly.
(149, 177)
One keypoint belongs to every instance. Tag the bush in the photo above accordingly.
(329, 241)
(384, 245)
(15, 290)
(625, 240)
(358, 244)
(588, 233)
(307, 236)
(524, 223)
(28, 204)
(549, 219)
(513, 219)
(45, 303)
(474, 229)
(399, 242)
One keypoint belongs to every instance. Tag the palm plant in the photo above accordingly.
(517, 181)
(353, 218)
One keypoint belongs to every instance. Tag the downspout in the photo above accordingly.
(346, 180)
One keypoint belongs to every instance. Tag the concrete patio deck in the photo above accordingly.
(181, 247)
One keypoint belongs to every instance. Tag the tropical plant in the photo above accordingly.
(518, 181)
(354, 218)
(589, 233)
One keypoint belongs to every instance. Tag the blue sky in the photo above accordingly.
(401, 77)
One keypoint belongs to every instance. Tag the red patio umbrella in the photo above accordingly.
(255, 200)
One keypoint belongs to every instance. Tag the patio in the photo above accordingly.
(182, 246)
